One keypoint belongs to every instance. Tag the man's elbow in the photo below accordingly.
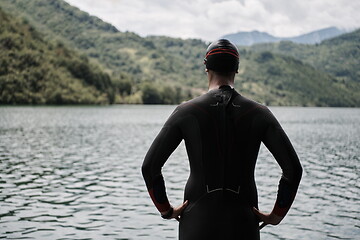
(145, 169)
(298, 172)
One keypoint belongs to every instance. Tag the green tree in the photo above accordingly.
(151, 94)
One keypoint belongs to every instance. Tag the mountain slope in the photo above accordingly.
(123, 54)
(316, 36)
(250, 38)
(35, 71)
(286, 81)
(119, 52)
(255, 37)
(339, 56)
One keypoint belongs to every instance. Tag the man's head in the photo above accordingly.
(222, 56)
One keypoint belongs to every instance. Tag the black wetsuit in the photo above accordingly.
(222, 131)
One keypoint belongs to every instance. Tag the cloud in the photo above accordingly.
(210, 19)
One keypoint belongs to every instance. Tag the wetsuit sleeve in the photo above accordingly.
(280, 146)
(164, 144)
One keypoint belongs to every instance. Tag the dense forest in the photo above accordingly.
(161, 69)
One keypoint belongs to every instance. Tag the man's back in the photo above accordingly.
(222, 132)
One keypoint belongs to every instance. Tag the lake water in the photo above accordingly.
(74, 173)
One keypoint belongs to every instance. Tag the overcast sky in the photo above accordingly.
(211, 19)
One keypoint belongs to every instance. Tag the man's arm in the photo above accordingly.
(280, 146)
(164, 144)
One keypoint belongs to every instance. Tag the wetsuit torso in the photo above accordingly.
(222, 131)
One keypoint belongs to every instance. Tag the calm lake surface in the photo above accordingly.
(74, 173)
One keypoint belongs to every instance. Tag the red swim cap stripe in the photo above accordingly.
(222, 51)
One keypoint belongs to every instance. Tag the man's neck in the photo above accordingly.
(216, 81)
(217, 85)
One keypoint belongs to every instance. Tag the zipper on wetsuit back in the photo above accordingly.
(222, 105)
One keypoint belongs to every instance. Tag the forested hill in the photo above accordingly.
(169, 70)
(36, 71)
(339, 56)
(141, 72)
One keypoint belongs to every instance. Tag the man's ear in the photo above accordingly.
(206, 70)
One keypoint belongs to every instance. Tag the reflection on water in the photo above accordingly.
(74, 173)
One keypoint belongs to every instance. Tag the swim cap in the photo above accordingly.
(222, 56)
